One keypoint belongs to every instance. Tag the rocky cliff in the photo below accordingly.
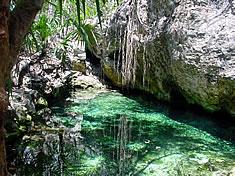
(167, 46)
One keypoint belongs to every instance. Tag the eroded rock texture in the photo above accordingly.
(165, 46)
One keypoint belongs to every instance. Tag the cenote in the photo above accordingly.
(106, 133)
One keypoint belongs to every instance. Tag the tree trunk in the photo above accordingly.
(13, 27)
(4, 57)
(3, 108)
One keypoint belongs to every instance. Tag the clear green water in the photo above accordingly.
(127, 136)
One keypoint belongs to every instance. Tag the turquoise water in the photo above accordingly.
(107, 133)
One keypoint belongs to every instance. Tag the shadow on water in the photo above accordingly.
(120, 135)
(219, 124)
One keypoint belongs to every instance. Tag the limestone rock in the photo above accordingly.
(85, 82)
(42, 102)
(171, 45)
(37, 82)
(79, 66)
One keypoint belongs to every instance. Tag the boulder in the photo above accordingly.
(86, 81)
(169, 46)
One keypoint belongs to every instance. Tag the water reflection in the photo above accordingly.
(115, 135)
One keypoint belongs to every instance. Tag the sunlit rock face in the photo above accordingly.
(174, 45)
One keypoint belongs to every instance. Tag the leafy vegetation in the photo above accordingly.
(61, 22)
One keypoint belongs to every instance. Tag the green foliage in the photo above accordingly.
(85, 33)
(78, 11)
(43, 28)
(63, 21)
(60, 2)
(39, 33)
(99, 12)
(84, 8)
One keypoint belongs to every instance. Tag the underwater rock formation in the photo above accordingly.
(169, 46)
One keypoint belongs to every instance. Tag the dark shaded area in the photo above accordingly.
(90, 57)
(188, 113)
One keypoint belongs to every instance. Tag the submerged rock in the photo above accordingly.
(164, 47)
